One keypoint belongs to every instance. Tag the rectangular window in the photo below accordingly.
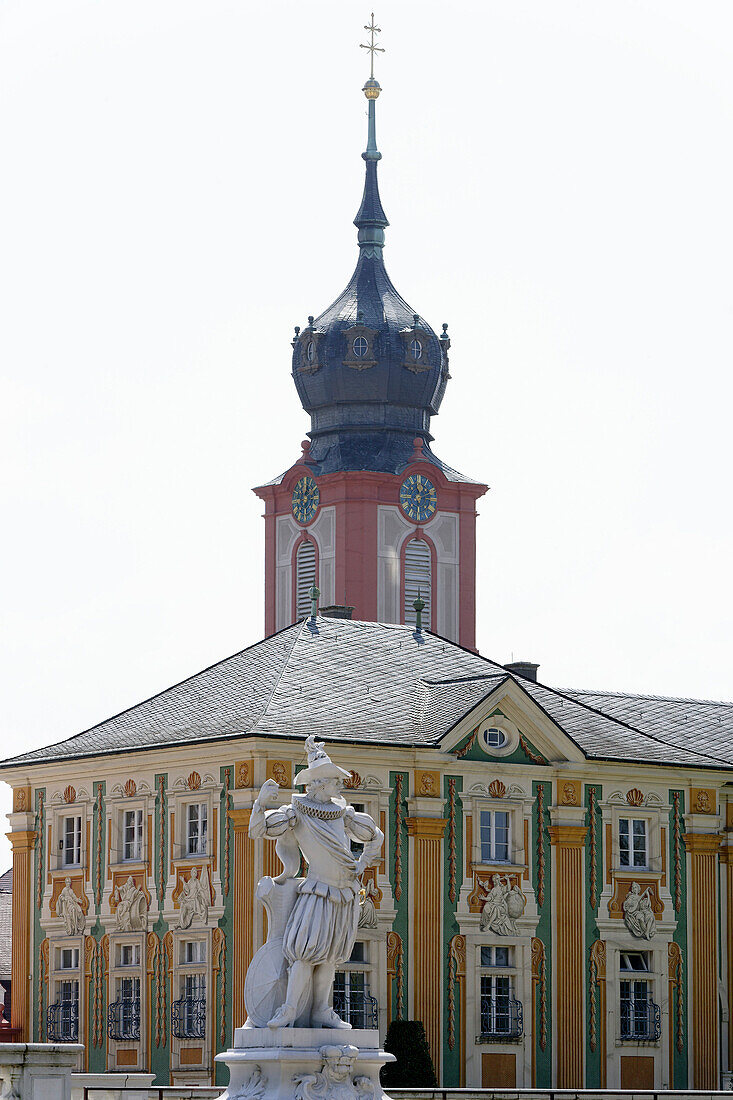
(636, 1007)
(67, 958)
(194, 951)
(358, 952)
(63, 1017)
(496, 956)
(494, 836)
(351, 999)
(632, 842)
(129, 954)
(196, 829)
(496, 996)
(71, 841)
(637, 961)
(356, 847)
(193, 987)
(132, 842)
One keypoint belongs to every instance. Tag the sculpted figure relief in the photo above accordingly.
(194, 900)
(335, 1078)
(318, 914)
(638, 914)
(503, 904)
(368, 910)
(132, 906)
(69, 908)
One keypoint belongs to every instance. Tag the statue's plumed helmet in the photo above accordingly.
(320, 765)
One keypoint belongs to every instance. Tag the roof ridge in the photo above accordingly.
(658, 698)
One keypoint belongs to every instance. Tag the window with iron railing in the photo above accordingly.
(640, 1016)
(123, 1015)
(352, 1000)
(188, 1013)
(62, 1018)
(501, 1014)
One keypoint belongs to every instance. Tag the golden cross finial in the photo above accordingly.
(371, 47)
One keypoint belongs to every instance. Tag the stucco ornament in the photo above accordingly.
(69, 908)
(194, 900)
(638, 914)
(367, 909)
(313, 920)
(132, 906)
(335, 1079)
(253, 1088)
(503, 904)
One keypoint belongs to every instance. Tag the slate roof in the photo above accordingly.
(378, 683)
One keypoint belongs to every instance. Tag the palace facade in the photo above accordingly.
(555, 900)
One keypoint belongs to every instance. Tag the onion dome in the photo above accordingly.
(369, 370)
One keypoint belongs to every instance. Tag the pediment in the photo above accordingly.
(531, 736)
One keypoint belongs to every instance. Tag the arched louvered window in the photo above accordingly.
(305, 578)
(418, 574)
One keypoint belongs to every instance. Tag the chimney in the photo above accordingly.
(527, 669)
(337, 611)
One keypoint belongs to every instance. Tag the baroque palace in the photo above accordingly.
(555, 900)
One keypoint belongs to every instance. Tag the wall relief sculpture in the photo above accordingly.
(335, 1079)
(69, 908)
(638, 913)
(367, 909)
(132, 906)
(194, 899)
(503, 904)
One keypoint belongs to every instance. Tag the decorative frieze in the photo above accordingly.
(395, 973)
(540, 844)
(452, 840)
(676, 994)
(593, 873)
(677, 844)
(457, 977)
(398, 779)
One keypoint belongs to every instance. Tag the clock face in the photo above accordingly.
(418, 497)
(306, 498)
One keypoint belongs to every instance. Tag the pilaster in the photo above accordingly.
(568, 839)
(243, 908)
(703, 852)
(23, 840)
(427, 838)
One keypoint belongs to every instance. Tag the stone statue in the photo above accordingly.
(502, 905)
(132, 906)
(368, 910)
(194, 900)
(638, 914)
(318, 915)
(69, 908)
(335, 1078)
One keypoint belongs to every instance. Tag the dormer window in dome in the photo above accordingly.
(415, 340)
(359, 347)
(309, 351)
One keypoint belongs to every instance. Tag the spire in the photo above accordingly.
(371, 219)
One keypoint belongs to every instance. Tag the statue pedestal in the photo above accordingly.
(304, 1063)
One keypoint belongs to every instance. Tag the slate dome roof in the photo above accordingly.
(369, 370)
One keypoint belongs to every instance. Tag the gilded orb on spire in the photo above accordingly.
(371, 89)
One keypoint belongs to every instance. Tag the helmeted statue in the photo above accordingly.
(319, 913)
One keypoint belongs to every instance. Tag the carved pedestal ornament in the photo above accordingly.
(335, 1079)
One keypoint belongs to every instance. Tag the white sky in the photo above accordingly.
(177, 189)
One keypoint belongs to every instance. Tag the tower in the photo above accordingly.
(368, 512)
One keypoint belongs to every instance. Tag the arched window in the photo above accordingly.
(305, 578)
(418, 574)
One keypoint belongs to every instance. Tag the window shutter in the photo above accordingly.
(305, 578)
(418, 574)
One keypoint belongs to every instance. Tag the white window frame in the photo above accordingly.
(492, 856)
(75, 848)
(632, 865)
(135, 853)
(60, 965)
(202, 829)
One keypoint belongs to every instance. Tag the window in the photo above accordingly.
(496, 956)
(358, 952)
(351, 999)
(640, 1016)
(632, 842)
(124, 1014)
(494, 827)
(63, 1016)
(356, 847)
(635, 961)
(418, 577)
(415, 350)
(495, 738)
(196, 829)
(310, 352)
(67, 958)
(129, 954)
(495, 999)
(193, 951)
(71, 841)
(305, 578)
(361, 347)
(189, 1012)
(132, 841)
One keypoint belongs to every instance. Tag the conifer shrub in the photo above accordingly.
(413, 1069)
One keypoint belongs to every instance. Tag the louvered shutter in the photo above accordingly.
(418, 574)
(305, 570)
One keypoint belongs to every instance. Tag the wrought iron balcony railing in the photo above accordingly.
(188, 1018)
(62, 1022)
(640, 1021)
(501, 1021)
(356, 1007)
(123, 1019)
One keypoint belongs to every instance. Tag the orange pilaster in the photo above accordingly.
(703, 849)
(23, 843)
(427, 834)
(244, 892)
(569, 842)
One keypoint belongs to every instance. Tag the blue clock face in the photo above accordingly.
(418, 497)
(306, 498)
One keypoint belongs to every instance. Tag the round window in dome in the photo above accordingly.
(310, 351)
(361, 347)
(416, 350)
